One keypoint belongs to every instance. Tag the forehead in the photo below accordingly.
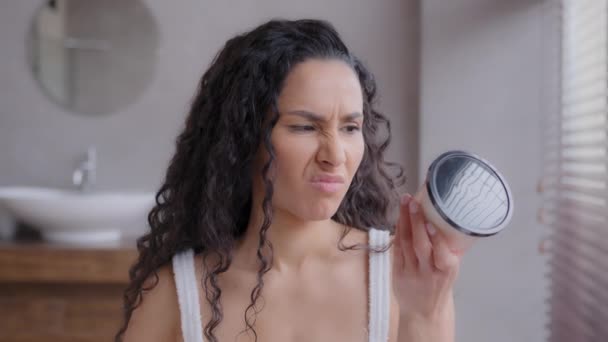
(323, 84)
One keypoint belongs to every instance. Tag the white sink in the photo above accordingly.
(77, 217)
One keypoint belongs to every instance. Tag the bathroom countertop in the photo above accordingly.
(44, 262)
(63, 293)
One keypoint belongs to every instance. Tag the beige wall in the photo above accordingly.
(484, 86)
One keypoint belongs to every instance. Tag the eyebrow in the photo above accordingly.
(316, 117)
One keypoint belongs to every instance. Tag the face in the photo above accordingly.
(318, 139)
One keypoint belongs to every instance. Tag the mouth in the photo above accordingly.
(328, 187)
(327, 178)
(328, 183)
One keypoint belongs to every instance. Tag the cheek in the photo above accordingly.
(292, 154)
(294, 159)
(355, 154)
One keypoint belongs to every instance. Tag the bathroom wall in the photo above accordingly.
(487, 75)
(40, 143)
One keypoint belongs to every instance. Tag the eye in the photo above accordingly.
(298, 128)
(352, 129)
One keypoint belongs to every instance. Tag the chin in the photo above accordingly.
(312, 207)
(320, 212)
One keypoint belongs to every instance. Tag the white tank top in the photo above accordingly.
(379, 291)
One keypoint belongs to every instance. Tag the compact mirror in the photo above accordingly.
(92, 57)
(466, 198)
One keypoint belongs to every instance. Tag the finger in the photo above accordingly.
(444, 260)
(409, 256)
(398, 262)
(420, 238)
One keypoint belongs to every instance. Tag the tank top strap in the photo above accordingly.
(379, 286)
(187, 295)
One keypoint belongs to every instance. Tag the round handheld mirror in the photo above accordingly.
(466, 198)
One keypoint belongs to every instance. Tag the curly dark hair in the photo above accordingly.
(205, 200)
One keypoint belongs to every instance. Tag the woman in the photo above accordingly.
(272, 222)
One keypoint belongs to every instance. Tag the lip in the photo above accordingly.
(327, 178)
(327, 186)
(327, 183)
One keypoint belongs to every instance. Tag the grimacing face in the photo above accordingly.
(318, 139)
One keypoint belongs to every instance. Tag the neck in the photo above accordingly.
(295, 242)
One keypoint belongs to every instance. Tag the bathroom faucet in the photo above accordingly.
(84, 175)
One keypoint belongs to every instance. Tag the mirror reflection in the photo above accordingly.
(470, 193)
(93, 57)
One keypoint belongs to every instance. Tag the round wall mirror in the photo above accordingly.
(93, 56)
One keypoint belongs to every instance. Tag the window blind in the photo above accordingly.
(573, 187)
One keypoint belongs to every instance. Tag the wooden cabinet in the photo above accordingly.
(51, 292)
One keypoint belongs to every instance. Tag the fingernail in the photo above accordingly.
(405, 199)
(431, 229)
(413, 207)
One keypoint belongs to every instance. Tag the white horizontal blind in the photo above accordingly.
(574, 186)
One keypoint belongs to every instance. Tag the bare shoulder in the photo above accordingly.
(157, 316)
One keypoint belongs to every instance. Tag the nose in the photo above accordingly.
(331, 151)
